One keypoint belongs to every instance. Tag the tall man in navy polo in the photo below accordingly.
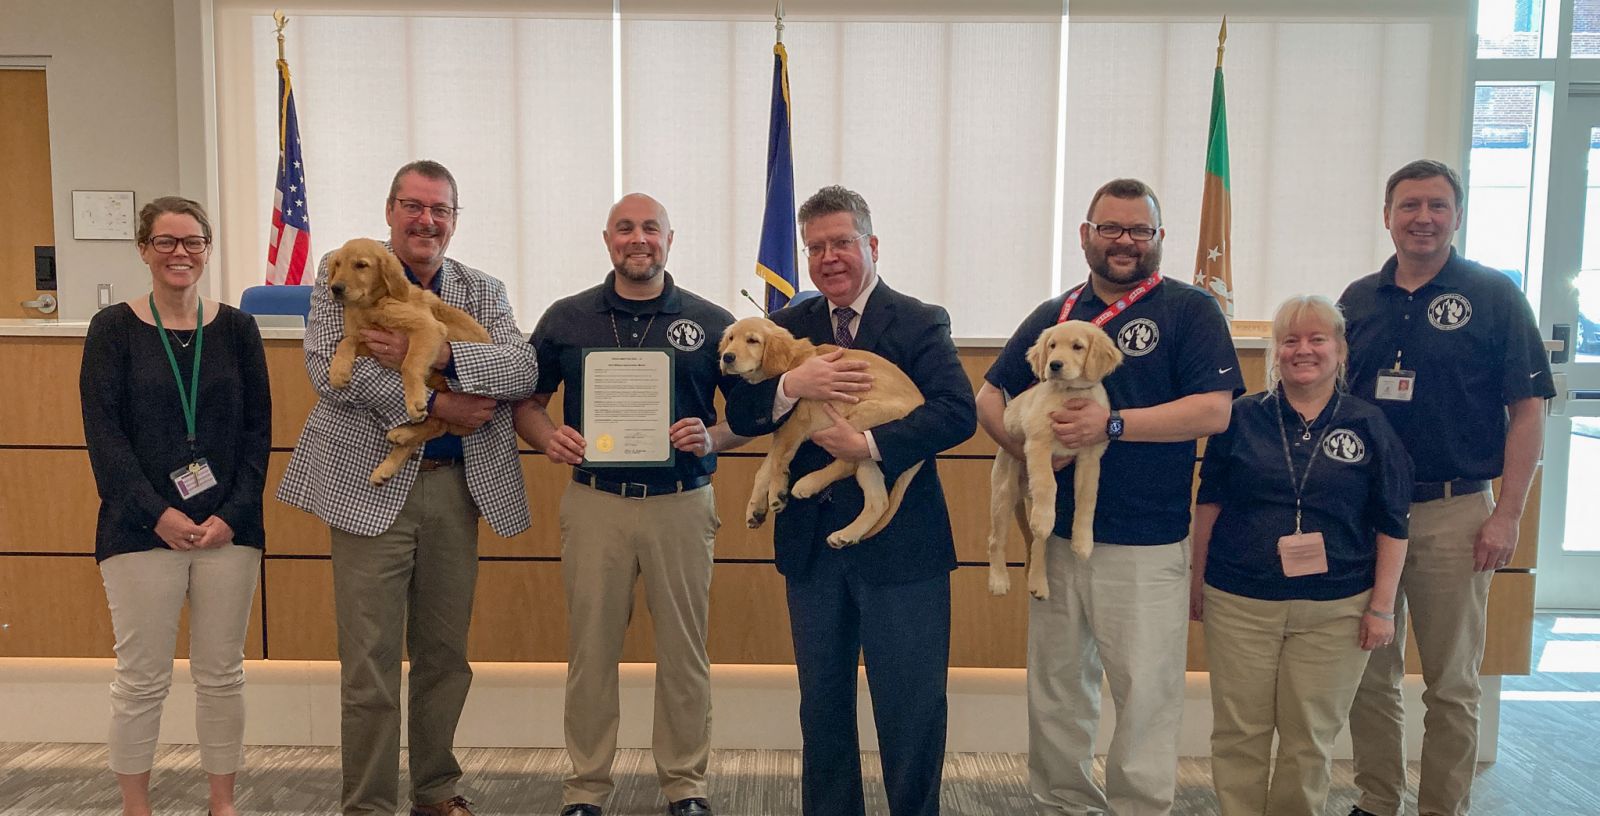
(1123, 613)
(885, 600)
(621, 524)
(1451, 352)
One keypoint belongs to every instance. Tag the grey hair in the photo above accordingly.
(836, 199)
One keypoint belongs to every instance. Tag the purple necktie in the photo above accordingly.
(841, 332)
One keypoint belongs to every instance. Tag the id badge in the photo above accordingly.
(1302, 554)
(1396, 385)
(194, 478)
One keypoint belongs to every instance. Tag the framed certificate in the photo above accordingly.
(627, 407)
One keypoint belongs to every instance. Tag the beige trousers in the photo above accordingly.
(146, 591)
(607, 544)
(1448, 603)
(410, 585)
(1285, 666)
(1122, 615)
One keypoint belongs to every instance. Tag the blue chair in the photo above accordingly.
(277, 300)
(804, 295)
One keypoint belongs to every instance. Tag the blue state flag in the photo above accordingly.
(777, 264)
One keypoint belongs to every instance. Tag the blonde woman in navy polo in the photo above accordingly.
(1299, 536)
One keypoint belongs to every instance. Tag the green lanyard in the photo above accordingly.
(189, 397)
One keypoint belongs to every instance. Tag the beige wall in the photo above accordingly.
(111, 73)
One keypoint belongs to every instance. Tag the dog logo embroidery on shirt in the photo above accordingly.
(1449, 311)
(1343, 445)
(1139, 337)
(686, 335)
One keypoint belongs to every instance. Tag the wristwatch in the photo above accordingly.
(1114, 425)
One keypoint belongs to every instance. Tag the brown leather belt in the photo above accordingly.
(426, 464)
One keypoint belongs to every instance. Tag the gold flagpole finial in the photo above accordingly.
(778, 13)
(1222, 38)
(282, 21)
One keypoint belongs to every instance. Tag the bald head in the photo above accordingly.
(638, 236)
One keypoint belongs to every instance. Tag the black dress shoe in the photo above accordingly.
(581, 810)
(1357, 811)
(693, 806)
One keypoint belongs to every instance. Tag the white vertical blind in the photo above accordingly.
(946, 124)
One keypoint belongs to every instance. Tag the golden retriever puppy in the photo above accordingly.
(1070, 359)
(757, 349)
(368, 280)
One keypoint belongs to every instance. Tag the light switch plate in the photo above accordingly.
(103, 295)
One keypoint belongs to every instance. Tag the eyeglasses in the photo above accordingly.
(1112, 232)
(168, 244)
(413, 209)
(817, 249)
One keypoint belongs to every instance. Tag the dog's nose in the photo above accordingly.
(727, 358)
(1055, 365)
(337, 289)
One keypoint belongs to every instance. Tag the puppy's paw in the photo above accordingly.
(999, 580)
(382, 474)
(779, 502)
(417, 409)
(804, 489)
(339, 372)
(755, 516)
(1038, 586)
(840, 540)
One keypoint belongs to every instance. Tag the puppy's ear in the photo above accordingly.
(394, 276)
(779, 350)
(1036, 355)
(1103, 357)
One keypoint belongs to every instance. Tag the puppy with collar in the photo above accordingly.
(1070, 360)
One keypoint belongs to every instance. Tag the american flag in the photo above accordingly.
(289, 241)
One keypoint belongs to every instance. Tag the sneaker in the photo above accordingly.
(581, 809)
(693, 806)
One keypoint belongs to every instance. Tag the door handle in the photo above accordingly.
(45, 303)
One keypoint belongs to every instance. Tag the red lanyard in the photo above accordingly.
(1114, 309)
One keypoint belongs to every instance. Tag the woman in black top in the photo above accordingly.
(1299, 537)
(177, 415)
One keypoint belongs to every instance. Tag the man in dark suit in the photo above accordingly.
(888, 597)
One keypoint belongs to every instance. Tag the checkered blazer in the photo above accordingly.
(343, 439)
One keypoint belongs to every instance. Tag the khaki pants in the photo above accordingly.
(1448, 603)
(1123, 615)
(410, 584)
(607, 543)
(146, 591)
(1285, 666)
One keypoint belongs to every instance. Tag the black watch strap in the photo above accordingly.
(1114, 425)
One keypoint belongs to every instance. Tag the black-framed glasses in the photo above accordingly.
(1112, 232)
(168, 244)
(817, 249)
(413, 209)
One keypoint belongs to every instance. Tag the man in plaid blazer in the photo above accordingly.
(405, 555)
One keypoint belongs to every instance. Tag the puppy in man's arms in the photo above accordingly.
(1070, 360)
(369, 282)
(757, 349)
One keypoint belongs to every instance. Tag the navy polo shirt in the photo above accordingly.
(444, 446)
(1175, 343)
(1474, 344)
(679, 321)
(1359, 485)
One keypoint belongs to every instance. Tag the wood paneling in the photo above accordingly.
(59, 485)
(42, 380)
(55, 606)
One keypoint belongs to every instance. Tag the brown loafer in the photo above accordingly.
(455, 806)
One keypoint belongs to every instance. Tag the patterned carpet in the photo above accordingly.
(1550, 722)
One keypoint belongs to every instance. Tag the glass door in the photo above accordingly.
(1569, 541)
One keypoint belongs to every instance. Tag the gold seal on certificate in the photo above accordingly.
(627, 407)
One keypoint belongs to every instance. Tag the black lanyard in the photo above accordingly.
(1283, 433)
(188, 398)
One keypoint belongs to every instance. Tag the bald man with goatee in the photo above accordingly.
(623, 522)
